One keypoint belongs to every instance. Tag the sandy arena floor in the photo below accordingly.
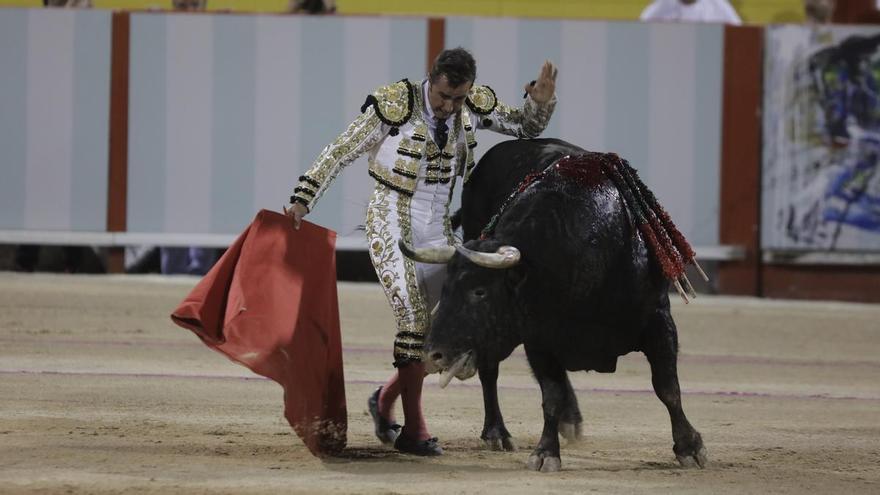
(100, 393)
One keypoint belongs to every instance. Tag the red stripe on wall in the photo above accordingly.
(741, 158)
(436, 39)
(117, 182)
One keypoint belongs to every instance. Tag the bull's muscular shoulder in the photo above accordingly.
(481, 99)
(393, 103)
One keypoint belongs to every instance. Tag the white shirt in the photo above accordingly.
(428, 112)
(699, 11)
(431, 199)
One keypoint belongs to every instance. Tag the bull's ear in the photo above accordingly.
(515, 278)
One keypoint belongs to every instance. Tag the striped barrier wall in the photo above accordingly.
(224, 112)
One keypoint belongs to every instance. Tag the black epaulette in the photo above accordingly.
(481, 100)
(393, 103)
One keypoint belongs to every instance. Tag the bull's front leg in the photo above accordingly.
(571, 419)
(495, 434)
(552, 379)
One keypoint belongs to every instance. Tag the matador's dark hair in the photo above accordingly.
(457, 64)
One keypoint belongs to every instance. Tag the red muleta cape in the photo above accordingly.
(270, 304)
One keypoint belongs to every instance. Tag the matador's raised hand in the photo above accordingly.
(544, 87)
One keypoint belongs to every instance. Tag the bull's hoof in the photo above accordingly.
(544, 462)
(497, 437)
(500, 444)
(690, 451)
(572, 432)
(700, 459)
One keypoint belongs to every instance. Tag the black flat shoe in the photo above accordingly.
(428, 447)
(386, 431)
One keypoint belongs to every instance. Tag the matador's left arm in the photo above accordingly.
(528, 121)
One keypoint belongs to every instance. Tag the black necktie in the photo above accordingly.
(441, 133)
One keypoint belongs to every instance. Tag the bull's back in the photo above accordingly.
(500, 171)
(587, 270)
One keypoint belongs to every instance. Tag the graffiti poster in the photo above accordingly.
(821, 157)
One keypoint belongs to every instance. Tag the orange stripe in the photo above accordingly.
(117, 182)
(436, 39)
(741, 158)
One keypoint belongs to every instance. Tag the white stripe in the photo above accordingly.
(497, 62)
(367, 60)
(188, 123)
(365, 39)
(495, 42)
(49, 124)
(581, 84)
(671, 115)
(277, 120)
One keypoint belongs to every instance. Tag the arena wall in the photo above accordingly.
(174, 129)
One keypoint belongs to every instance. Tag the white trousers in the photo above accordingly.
(412, 289)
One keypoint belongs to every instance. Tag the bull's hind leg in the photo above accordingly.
(495, 434)
(661, 348)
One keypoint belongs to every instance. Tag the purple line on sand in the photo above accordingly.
(107, 374)
(518, 354)
(713, 393)
(156, 343)
(730, 359)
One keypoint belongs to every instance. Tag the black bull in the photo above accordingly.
(579, 290)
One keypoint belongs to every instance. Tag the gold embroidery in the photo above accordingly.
(406, 168)
(481, 99)
(406, 184)
(406, 300)
(526, 122)
(439, 167)
(432, 168)
(432, 150)
(394, 102)
(420, 130)
(447, 222)
(413, 149)
(403, 346)
(382, 249)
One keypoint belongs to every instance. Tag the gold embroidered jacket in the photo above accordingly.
(392, 129)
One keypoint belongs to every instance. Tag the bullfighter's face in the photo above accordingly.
(446, 100)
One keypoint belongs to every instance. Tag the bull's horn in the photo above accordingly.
(436, 255)
(504, 257)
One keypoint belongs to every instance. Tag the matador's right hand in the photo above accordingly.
(543, 88)
(296, 213)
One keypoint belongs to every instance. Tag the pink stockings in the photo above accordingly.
(406, 382)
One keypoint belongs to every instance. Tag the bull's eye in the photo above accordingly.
(478, 294)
